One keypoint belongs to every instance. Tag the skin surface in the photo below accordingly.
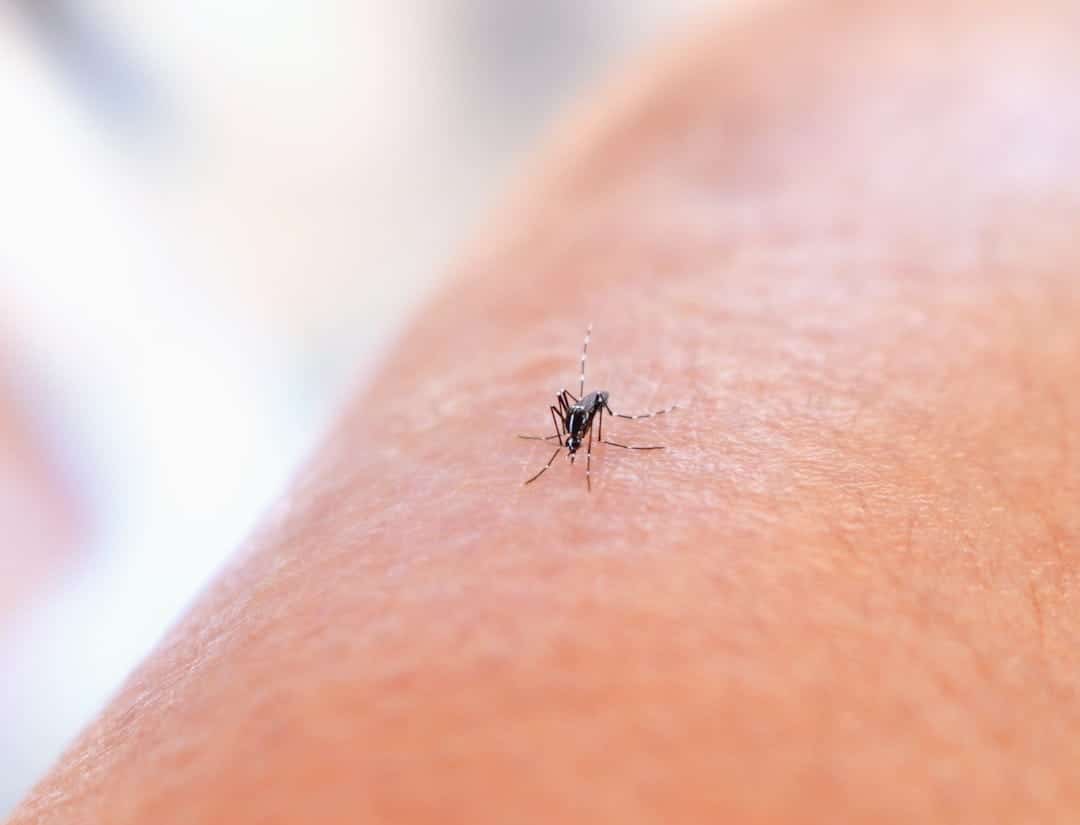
(847, 239)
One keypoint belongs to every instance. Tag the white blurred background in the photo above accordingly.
(213, 215)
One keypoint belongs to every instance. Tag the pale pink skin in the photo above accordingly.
(845, 592)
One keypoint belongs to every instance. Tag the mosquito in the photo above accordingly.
(573, 418)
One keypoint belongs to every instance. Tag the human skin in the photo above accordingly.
(846, 239)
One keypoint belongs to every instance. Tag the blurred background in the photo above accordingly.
(213, 216)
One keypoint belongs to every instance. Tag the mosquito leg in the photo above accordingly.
(555, 419)
(645, 415)
(558, 432)
(542, 469)
(633, 447)
(600, 425)
(588, 460)
(567, 397)
(584, 355)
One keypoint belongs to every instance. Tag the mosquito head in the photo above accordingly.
(572, 445)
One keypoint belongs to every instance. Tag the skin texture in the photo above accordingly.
(846, 238)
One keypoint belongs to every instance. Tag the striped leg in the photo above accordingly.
(588, 463)
(558, 433)
(636, 418)
(632, 447)
(645, 415)
(584, 355)
(544, 468)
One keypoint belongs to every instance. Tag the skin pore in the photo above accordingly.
(845, 242)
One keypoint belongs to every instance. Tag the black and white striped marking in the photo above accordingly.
(573, 418)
